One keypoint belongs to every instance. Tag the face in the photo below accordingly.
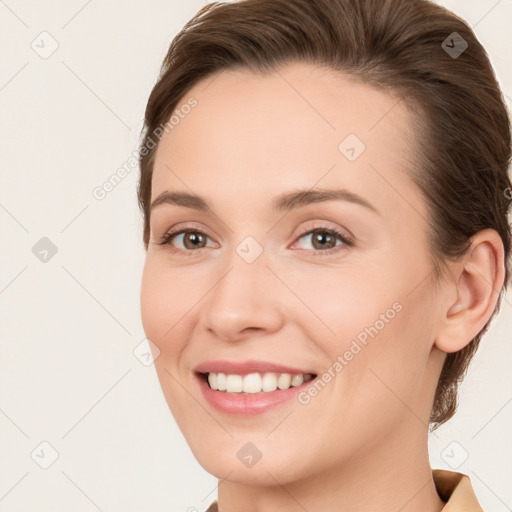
(329, 294)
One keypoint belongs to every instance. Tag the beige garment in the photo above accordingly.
(454, 489)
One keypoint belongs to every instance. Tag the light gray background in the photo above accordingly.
(68, 374)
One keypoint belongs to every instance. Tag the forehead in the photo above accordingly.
(288, 129)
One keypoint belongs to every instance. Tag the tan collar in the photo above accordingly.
(453, 488)
(456, 490)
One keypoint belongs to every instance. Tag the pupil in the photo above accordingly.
(321, 237)
(194, 237)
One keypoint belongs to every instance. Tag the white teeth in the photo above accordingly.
(269, 382)
(255, 382)
(234, 383)
(297, 380)
(284, 381)
(252, 383)
(221, 382)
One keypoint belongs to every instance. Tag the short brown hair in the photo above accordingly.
(462, 124)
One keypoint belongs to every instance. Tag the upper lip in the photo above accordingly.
(245, 367)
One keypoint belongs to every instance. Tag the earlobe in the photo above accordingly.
(478, 280)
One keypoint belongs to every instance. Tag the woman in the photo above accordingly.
(325, 193)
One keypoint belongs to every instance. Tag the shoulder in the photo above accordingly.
(456, 491)
(454, 488)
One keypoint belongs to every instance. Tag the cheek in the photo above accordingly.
(151, 303)
(155, 309)
(342, 305)
(166, 309)
(386, 373)
(165, 302)
(381, 331)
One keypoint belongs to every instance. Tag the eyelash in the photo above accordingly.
(348, 242)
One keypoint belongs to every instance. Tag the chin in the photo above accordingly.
(241, 461)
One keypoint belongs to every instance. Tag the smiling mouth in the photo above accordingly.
(252, 383)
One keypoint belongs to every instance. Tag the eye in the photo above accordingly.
(324, 239)
(192, 239)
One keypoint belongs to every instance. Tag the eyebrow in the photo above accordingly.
(284, 202)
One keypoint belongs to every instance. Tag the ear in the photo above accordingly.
(478, 279)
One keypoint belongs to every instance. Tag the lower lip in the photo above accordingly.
(247, 404)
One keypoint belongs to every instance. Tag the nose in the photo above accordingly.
(245, 302)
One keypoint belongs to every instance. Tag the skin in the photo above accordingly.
(361, 443)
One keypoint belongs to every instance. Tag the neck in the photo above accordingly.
(394, 476)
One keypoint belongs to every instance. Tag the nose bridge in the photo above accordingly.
(244, 296)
